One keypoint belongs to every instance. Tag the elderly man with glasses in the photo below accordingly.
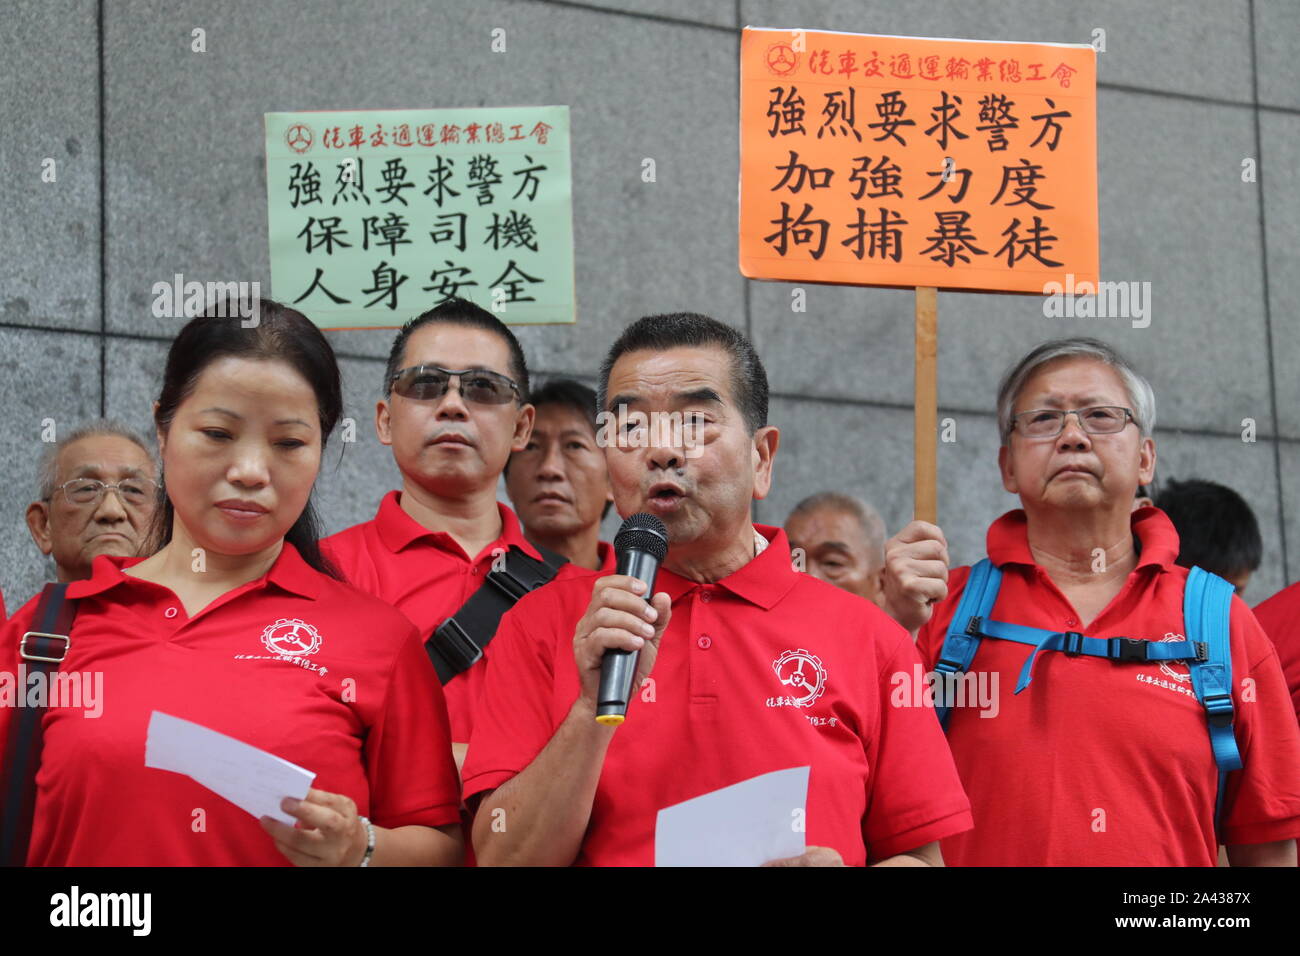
(1118, 737)
(97, 496)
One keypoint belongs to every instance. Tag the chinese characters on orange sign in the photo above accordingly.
(905, 161)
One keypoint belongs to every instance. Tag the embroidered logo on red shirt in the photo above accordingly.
(291, 638)
(1168, 666)
(1178, 681)
(803, 673)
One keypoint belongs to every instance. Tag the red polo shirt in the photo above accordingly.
(428, 577)
(604, 554)
(763, 670)
(296, 663)
(608, 562)
(1280, 618)
(1109, 764)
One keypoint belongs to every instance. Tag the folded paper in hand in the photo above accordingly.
(252, 779)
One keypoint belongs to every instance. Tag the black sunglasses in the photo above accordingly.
(430, 383)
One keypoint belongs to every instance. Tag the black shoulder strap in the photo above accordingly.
(459, 641)
(39, 651)
(553, 558)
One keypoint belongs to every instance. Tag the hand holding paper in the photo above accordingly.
(252, 779)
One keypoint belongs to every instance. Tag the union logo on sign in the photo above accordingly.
(781, 59)
(299, 137)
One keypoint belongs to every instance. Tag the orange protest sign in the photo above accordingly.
(908, 161)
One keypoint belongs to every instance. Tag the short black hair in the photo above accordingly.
(457, 311)
(690, 329)
(573, 394)
(1217, 530)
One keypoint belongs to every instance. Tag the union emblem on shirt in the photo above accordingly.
(291, 638)
(803, 673)
(1183, 675)
(1177, 676)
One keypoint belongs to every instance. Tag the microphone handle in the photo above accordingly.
(618, 668)
(641, 565)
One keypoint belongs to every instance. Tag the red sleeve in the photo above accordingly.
(1278, 617)
(408, 757)
(513, 722)
(1262, 801)
(916, 796)
(347, 552)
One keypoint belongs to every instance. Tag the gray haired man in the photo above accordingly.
(1110, 750)
(97, 494)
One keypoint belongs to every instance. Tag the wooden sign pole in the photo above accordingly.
(926, 421)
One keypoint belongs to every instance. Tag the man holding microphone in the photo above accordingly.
(751, 666)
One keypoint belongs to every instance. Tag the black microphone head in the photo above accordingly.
(642, 532)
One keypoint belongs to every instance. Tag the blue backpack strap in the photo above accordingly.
(1073, 643)
(964, 634)
(1207, 611)
(1207, 616)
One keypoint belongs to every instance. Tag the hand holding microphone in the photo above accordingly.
(617, 640)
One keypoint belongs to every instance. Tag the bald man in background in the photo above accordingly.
(842, 539)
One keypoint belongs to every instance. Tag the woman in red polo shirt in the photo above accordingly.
(237, 623)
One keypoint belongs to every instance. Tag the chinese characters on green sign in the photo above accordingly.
(376, 216)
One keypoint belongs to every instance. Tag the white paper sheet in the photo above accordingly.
(252, 779)
(746, 824)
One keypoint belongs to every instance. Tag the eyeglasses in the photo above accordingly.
(134, 492)
(1050, 422)
(430, 382)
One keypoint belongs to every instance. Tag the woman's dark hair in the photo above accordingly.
(281, 334)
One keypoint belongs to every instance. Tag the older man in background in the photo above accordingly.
(841, 540)
(558, 481)
(97, 496)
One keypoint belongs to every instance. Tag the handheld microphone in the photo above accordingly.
(640, 545)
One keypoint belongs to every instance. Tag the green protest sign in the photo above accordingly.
(375, 216)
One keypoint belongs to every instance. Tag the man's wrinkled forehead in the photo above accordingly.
(456, 347)
(828, 526)
(671, 377)
(1072, 383)
(97, 456)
